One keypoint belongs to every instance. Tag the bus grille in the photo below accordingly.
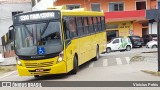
(37, 65)
(45, 71)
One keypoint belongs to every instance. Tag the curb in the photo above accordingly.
(151, 72)
(8, 65)
(7, 74)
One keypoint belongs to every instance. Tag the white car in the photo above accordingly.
(152, 44)
(1, 57)
(119, 44)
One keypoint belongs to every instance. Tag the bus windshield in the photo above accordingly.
(30, 38)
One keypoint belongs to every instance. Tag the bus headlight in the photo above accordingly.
(60, 58)
(18, 61)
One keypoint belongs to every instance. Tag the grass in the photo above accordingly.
(151, 72)
(4, 69)
(137, 58)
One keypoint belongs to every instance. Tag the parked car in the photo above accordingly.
(152, 44)
(136, 41)
(1, 57)
(119, 44)
(149, 37)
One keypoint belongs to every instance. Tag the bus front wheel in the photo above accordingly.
(75, 65)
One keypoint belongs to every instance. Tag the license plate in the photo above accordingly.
(139, 43)
(39, 70)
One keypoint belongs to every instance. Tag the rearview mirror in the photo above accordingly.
(11, 32)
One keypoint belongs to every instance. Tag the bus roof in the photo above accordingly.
(74, 12)
(81, 13)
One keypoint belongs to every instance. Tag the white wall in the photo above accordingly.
(6, 15)
(153, 30)
(43, 5)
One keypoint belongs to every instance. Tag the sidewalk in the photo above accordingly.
(8, 61)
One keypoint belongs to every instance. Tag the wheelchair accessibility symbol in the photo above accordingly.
(41, 50)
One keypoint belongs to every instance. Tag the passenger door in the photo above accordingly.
(116, 44)
(69, 29)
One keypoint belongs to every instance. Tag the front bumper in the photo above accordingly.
(55, 69)
(148, 46)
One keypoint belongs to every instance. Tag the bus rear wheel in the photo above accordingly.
(75, 66)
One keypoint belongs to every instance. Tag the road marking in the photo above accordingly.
(91, 64)
(105, 62)
(128, 60)
(8, 74)
(119, 61)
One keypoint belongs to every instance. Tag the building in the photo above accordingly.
(8, 9)
(152, 16)
(123, 17)
(41, 4)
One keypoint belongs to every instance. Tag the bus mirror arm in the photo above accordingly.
(10, 32)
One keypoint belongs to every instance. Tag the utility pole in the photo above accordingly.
(158, 28)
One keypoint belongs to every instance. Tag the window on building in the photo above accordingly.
(141, 5)
(95, 7)
(33, 3)
(72, 6)
(116, 6)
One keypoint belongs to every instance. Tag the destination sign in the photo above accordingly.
(37, 16)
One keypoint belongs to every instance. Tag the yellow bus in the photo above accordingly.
(57, 41)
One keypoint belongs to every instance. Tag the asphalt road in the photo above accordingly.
(114, 66)
(105, 68)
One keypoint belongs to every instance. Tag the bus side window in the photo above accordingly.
(79, 26)
(103, 23)
(72, 27)
(66, 30)
(99, 24)
(95, 24)
(85, 24)
(90, 23)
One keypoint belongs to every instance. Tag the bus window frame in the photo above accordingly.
(85, 26)
(92, 25)
(82, 29)
(95, 24)
(66, 28)
(99, 24)
(103, 22)
(74, 33)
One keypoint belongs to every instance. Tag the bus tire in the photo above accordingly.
(75, 66)
(97, 54)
